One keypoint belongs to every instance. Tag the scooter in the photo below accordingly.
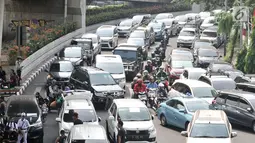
(143, 97)
(152, 92)
(45, 110)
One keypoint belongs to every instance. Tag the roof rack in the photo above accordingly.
(250, 75)
(79, 94)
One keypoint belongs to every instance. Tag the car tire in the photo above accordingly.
(253, 126)
(163, 120)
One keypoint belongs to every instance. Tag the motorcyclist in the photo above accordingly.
(161, 90)
(146, 75)
(161, 73)
(134, 82)
(149, 66)
(2, 106)
(139, 87)
(152, 84)
(39, 99)
(139, 76)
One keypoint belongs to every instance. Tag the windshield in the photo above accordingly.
(161, 16)
(134, 114)
(94, 38)
(138, 19)
(209, 34)
(90, 141)
(182, 64)
(85, 115)
(207, 53)
(187, 33)
(207, 130)
(126, 55)
(138, 41)
(72, 53)
(16, 108)
(137, 34)
(182, 18)
(200, 44)
(167, 22)
(126, 23)
(105, 32)
(61, 67)
(204, 92)
(193, 106)
(112, 68)
(195, 75)
(155, 26)
(98, 79)
(223, 84)
(226, 67)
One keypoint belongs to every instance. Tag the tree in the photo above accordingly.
(250, 57)
(212, 4)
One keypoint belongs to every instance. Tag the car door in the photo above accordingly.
(169, 111)
(179, 117)
(81, 80)
(220, 102)
(245, 117)
(74, 78)
(97, 47)
(115, 37)
(231, 108)
(112, 123)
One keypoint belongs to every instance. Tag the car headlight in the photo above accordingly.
(37, 124)
(120, 93)
(152, 129)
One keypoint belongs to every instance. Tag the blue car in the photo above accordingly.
(178, 111)
(159, 29)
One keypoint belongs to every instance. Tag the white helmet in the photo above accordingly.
(23, 114)
(139, 75)
(161, 85)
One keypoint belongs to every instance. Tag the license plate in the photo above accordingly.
(137, 137)
(101, 100)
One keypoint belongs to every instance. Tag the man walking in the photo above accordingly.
(23, 126)
(121, 133)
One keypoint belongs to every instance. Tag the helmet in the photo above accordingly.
(37, 94)
(67, 88)
(138, 75)
(145, 72)
(139, 81)
(151, 78)
(148, 61)
(23, 114)
(135, 79)
(161, 85)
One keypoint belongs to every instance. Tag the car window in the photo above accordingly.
(171, 103)
(134, 114)
(101, 79)
(244, 104)
(222, 98)
(207, 53)
(184, 89)
(176, 86)
(61, 67)
(74, 74)
(204, 92)
(203, 130)
(179, 105)
(85, 115)
(203, 79)
(232, 100)
(113, 108)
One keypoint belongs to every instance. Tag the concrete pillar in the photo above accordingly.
(83, 14)
(1, 23)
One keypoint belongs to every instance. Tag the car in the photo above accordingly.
(199, 43)
(152, 36)
(204, 14)
(182, 20)
(218, 82)
(159, 29)
(212, 35)
(186, 37)
(163, 16)
(97, 81)
(208, 22)
(125, 27)
(108, 35)
(171, 26)
(193, 88)
(137, 121)
(141, 33)
(192, 73)
(132, 57)
(75, 54)
(239, 107)
(194, 16)
(175, 66)
(60, 71)
(142, 19)
(209, 125)
(28, 104)
(87, 133)
(114, 65)
(178, 111)
(182, 52)
(205, 56)
(96, 41)
(81, 104)
(142, 43)
(217, 11)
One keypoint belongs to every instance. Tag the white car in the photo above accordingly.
(204, 14)
(193, 88)
(136, 118)
(192, 73)
(108, 35)
(164, 16)
(208, 22)
(186, 37)
(114, 65)
(96, 42)
(212, 35)
(81, 104)
(126, 27)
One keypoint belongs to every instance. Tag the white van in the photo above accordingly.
(114, 65)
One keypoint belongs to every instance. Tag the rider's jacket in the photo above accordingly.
(161, 74)
(149, 68)
(146, 77)
(152, 85)
(139, 88)
(162, 92)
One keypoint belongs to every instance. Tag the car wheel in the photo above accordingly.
(163, 120)
(253, 126)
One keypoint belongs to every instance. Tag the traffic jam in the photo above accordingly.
(131, 72)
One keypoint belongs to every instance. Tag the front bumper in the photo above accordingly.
(107, 45)
(184, 44)
(102, 99)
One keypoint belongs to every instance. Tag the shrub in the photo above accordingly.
(108, 8)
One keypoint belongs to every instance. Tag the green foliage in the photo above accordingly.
(122, 13)
(225, 22)
(250, 57)
(240, 62)
(108, 8)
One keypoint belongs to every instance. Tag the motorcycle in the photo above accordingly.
(146, 82)
(152, 96)
(143, 97)
(156, 59)
(44, 110)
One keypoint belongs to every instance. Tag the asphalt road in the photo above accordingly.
(164, 135)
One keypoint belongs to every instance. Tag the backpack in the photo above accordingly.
(62, 139)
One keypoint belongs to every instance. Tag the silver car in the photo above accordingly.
(164, 16)
(211, 35)
(126, 27)
(171, 26)
(186, 37)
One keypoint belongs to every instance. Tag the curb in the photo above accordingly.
(34, 74)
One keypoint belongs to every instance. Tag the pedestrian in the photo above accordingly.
(23, 126)
(121, 133)
(2, 74)
(18, 69)
(13, 79)
(61, 138)
(76, 120)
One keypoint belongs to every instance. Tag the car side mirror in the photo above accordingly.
(58, 120)
(111, 118)
(182, 111)
(99, 119)
(85, 83)
(233, 134)
(184, 133)
(152, 117)
(46, 70)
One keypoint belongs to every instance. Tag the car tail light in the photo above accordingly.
(214, 101)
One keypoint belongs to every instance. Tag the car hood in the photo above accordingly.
(118, 76)
(207, 59)
(124, 27)
(186, 37)
(137, 125)
(106, 88)
(73, 60)
(68, 126)
(31, 118)
(209, 100)
(208, 140)
(208, 38)
(106, 38)
(206, 25)
(60, 74)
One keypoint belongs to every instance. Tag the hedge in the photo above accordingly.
(122, 13)
(108, 8)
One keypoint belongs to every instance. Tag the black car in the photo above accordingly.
(205, 56)
(28, 104)
(132, 57)
(238, 105)
(99, 82)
